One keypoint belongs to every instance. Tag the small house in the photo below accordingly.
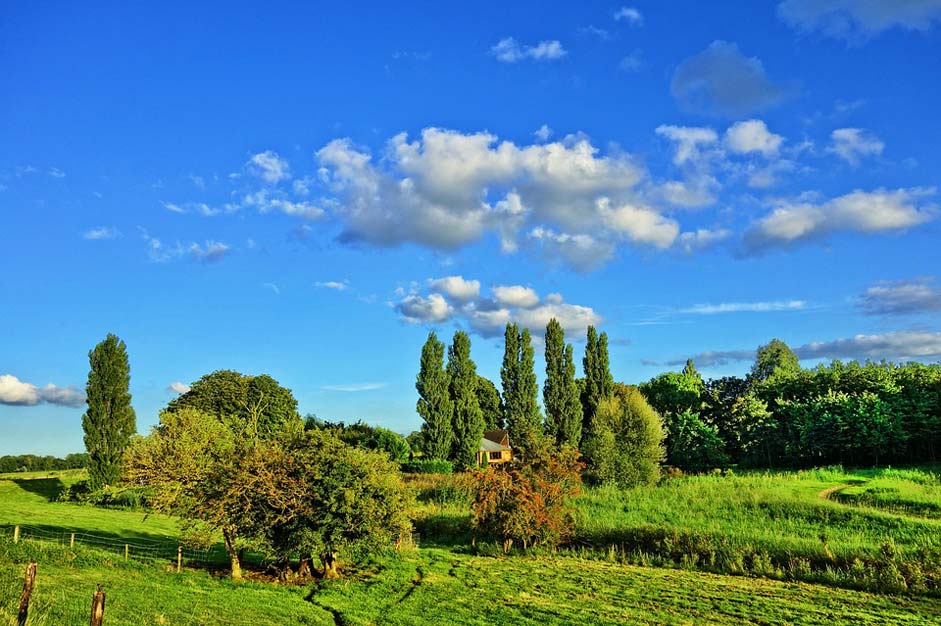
(495, 448)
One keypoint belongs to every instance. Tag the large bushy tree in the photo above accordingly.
(560, 392)
(625, 442)
(774, 359)
(109, 421)
(599, 383)
(491, 404)
(434, 401)
(467, 418)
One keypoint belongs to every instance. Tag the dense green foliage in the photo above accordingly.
(560, 391)
(774, 359)
(434, 401)
(467, 420)
(520, 390)
(34, 463)
(599, 383)
(428, 466)
(109, 421)
(490, 402)
(625, 442)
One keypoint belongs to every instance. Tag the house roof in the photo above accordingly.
(497, 436)
(491, 446)
(492, 441)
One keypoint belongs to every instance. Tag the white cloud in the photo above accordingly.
(336, 285)
(101, 232)
(173, 208)
(752, 136)
(266, 201)
(456, 287)
(508, 50)
(745, 307)
(55, 172)
(702, 238)
(639, 224)
(630, 15)
(209, 252)
(688, 140)
(902, 297)
(515, 296)
(583, 252)
(544, 133)
(854, 144)
(15, 392)
(860, 211)
(417, 309)
(354, 387)
(853, 19)
(720, 80)
(270, 167)
(273, 287)
(178, 387)
(633, 62)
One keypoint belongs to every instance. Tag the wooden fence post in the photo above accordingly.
(27, 593)
(179, 559)
(98, 607)
(72, 541)
(126, 550)
(16, 534)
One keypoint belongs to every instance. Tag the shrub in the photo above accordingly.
(428, 466)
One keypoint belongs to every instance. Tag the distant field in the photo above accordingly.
(447, 581)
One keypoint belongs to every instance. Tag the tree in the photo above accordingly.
(520, 390)
(560, 391)
(671, 393)
(599, 384)
(625, 443)
(490, 403)
(109, 421)
(467, 419)
(391, 443)
(259, 403)
(694, 445)
(434, 401)
(774, 359)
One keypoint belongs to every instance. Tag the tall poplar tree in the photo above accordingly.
(466, 417)
(520, 390)
(434, 400)
(560, 392)
(109, 421)
(509, 372)
(599, 384)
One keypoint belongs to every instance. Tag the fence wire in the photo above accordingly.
(137, 548)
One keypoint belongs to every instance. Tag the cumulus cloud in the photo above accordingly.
(456, 287)
(580, 251)
(178, 388)
(488, 315)
(854, 144)
(720, 80)
(870, 212)
(902, 297)
(543, 133)
(101, 232)
(16, 392)
(752, 136)
(208, 252)
(855, 19)
(336, 285)
(269, 167)
(508, 50)
(447, 189)
(702, 238)
(688, 141)
(267, 201)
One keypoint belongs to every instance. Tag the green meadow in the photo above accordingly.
(823, 546)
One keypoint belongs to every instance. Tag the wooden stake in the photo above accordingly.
(16, 534)
(72, 541)
(98, 607)
(179, 559)
(27, 593)
(126, 550)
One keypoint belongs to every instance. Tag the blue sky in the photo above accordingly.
(305, 190)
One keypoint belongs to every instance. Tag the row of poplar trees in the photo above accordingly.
(454, 400)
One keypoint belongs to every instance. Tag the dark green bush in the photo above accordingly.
(428, 466)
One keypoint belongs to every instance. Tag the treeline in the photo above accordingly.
(618, 433)
(781, 415)
(34, 463)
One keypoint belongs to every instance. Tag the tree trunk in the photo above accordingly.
(507, 544)
(329, 560)
(229, 539)
(284, 570)
(304, 568)
(28, 582)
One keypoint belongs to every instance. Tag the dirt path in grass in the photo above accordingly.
(828, 492)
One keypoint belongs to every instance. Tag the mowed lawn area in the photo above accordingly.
(447, 581)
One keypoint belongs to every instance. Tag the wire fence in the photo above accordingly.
(137, 548)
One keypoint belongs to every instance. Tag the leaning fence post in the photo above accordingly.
(179, 559)
(16, 534)
(72, 541)
(98, 607)
(27, 593)
(126, 550)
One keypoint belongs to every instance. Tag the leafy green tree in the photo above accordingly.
(719, 398)
(694, 445)
(392, 443)
(434, 401)
(467, 418)
(599, 384)
(109, 421)
(490, 403)
(520, 390)
(758, 431)
(259, 403)
(774, 359)
(625, 443)
(560, 391)
(671, 393)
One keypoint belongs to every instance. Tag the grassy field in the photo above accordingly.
(447, 581)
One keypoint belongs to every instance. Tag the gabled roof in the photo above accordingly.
(493, 441)
(497, 436)
(491, 446)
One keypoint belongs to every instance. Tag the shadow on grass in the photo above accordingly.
(49, 488)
